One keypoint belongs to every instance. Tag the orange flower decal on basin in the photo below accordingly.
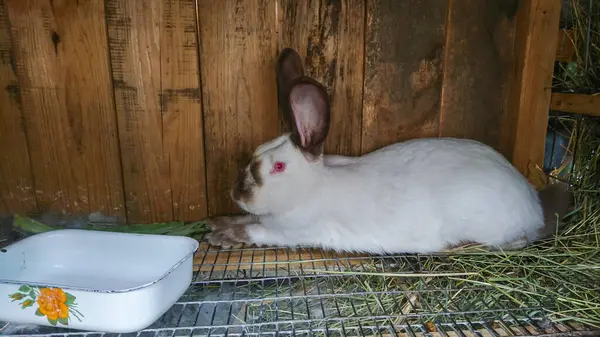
(53, 303)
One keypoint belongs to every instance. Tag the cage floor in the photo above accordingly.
(283, 292)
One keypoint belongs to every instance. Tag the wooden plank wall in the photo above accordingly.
(145, 110)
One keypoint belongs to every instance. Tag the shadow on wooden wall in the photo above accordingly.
(145, 110)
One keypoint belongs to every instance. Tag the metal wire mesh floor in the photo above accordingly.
(268, 291)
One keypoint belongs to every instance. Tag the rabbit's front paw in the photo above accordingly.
(228, 235)
(229, 230)
(230, 220)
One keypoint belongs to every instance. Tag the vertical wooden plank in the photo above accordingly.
(182, 109)
(17, 193)
(134, 39)
(81, 31)
(64, 77)
(535, 45)
(296, 21)
(403, 70)
(56, 162)
(296, 24)
(330, 35)
(238, 52)
(478, 69)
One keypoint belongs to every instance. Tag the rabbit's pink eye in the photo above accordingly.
(278, 167)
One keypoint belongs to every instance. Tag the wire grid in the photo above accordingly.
(246, 291)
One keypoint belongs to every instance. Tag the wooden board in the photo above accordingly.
(403, 71)
(478, 69)
(238, 46)
(90, 98)
(134, 41)
(181, 107)
(296, 21)
(327, 34)
(66, 97)
(588, 105)
(17, 192)
(535, 34)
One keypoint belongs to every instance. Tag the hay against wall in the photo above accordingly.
(583, 73)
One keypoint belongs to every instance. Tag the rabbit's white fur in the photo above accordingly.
(416, 196)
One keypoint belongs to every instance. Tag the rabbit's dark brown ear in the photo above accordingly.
(289, 68)
(310, 109)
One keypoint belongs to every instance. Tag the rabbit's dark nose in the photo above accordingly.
(248, 178)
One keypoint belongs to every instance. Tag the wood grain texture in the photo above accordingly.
(535, 36)
(17, 192)
(238, 44)
(134, 39)
(329, 36)
(403, 71)
(478, 69)
(69, 115)
(588, 105)
(90, 100)
(296, 21)
(181, 107)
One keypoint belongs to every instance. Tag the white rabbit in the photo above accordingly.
(417, 196)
